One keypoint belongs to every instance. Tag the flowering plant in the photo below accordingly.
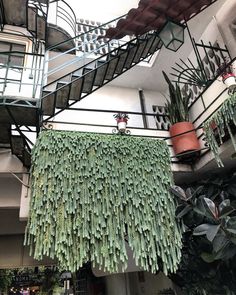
(121, 117)
(225, 70)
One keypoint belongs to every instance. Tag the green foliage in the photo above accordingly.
(51, 278)
(222, 119)
(208, 211)
(90, 191)
(177, 105)
(6, 276)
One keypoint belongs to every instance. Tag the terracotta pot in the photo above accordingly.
(187, 142)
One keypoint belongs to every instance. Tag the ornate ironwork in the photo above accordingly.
(117, 131)
(162, 122)
(196, 76)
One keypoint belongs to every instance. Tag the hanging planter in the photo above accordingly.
(89, 191)
(216, 126)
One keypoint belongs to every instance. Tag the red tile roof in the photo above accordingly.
(152, 14)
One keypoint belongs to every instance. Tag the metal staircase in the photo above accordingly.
(33, 15)
(36, 20)
(75, 68)
(92, 70)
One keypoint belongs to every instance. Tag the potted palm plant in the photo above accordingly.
(183, 135)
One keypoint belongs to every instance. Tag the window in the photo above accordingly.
(14, 58)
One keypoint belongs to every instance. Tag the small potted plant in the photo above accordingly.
(121, 119)
(227, 74)
(183, 136)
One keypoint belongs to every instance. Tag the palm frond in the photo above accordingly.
(177, 104)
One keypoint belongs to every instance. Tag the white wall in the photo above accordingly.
(138, 283)
(13, 254)
(26, 90)
(224, 18)
(10, 192)
(112, 98)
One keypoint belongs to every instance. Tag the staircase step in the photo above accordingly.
(17, 145)
(111, 68)
(76, 87)
(100, 73)
(85, 80)
(5, 132)
(122, 59)
(31, 21)
(62, 95)
(88, 80)
(48, 103)
(156, 45)
(41, 28)
(139, 51)
(78, 73)
(26, 158)
(150, 41)
(132, 51)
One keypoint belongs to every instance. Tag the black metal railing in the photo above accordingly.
(63, 16)
(195, 75)
(21, 74)
(2, 15)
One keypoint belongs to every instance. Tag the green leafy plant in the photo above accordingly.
(221, 119)
(51, 278)
(177, 104)
(89, 191)
(120, 116)
(225, 69)
(208, 211)
(6, 276)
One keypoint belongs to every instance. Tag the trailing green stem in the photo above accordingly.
(222, 119)
(89, 191)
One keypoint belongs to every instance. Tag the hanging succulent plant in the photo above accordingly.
(220, 122)
(89, 191)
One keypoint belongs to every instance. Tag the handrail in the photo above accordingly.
(2, 16)
(27, 72)
(91, 62)
(84, 56)
(212, 81)
(81, 34)
(20, 52)
(85, 49)
(66, 14)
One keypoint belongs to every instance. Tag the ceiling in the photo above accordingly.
(102, 10)
(151, 77)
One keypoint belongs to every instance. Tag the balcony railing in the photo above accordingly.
(61, 14)
(87, 45)
(21, 74)
(92, 120)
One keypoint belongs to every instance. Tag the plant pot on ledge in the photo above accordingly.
(186, 144)
(183, 136)
(226, 72)
(229, 80)
(121, 124)
(121, 120)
